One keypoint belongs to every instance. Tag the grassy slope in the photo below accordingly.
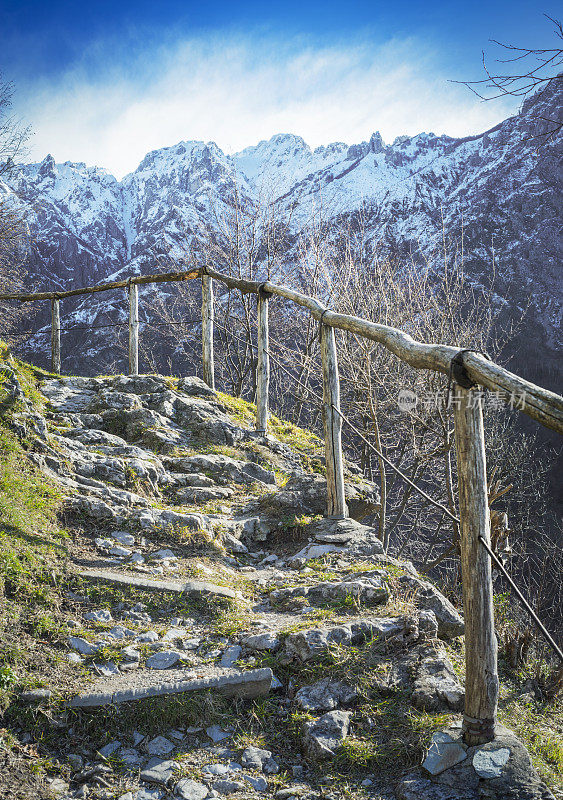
(32, 566)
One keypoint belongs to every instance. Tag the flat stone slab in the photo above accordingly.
(148, 683)
(195, 588)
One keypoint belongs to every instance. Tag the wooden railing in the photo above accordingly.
(472, 370)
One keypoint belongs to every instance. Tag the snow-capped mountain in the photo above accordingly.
(502, 188)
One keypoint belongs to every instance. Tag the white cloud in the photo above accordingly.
(236, 90)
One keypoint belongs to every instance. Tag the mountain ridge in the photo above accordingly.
(498, 190)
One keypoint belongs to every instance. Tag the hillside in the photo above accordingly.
(500, 189)
(179, 619)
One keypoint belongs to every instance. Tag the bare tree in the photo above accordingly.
(527, 70)
(13, 135)
(13, 229)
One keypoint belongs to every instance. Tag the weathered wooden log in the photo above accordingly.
(55, 336)
(160, 277)
(336, 500)
(538, 403)
(133, 329)
(207, 330)
(262, 365)
(535, 401)
(481, 679)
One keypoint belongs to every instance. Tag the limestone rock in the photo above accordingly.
(427, 597)
(159, 746)
(262, 641)
(444, 752)
(216, 733)
(187, 789)
(306, 494)
(325, 695)
(230, 655)
(36, 696)
(163, 660)
(489, 763)
(103, 615)
(436, 687)
(322, 737)
(84, 647)
(413, 787)
(158, 770)
(311, 643)
(258, 784)
(259, 759)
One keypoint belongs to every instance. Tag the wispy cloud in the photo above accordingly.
(235, 89)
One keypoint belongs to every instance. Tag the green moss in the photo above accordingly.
(31, 540)
(244, 413)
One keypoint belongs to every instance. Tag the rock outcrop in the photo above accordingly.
(180, 581)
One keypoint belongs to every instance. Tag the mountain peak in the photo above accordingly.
(48, 168)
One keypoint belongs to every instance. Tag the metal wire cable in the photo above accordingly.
(518, 593)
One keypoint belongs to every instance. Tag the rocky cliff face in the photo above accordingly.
(502, 189)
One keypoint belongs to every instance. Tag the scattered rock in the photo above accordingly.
(131, 654)
(216, 769)
(322, 737)
(82, 646)
(123, 538)
(427, 597)
(76, 761)
(150, 793)
(258, 759)
(444, 752)
(146, 638)
(188, 789)
(163, 554)
(102, 615)
(130, 756)
(413, 787)
(258, 784)
(262, 641)
(118, 550)
(231, 655)
(160, 746)
(58, 786)
(325, 695)
(158, 770)
(436, 687)
(227, 786)
(163, 660)
(311, 643)
(216, 733)
(109, 749)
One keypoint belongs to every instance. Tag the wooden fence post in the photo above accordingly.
(263, 364)
(55, 336)
(133, 329)
(336, 501)
(481, 680)
(207, 330)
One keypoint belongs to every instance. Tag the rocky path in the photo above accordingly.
(203, 574)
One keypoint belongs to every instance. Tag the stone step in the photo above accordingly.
(191, 588)
(151, 683)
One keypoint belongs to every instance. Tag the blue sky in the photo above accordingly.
(104, 82)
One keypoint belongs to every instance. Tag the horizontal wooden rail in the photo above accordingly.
(163, 277)
(540, 404)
